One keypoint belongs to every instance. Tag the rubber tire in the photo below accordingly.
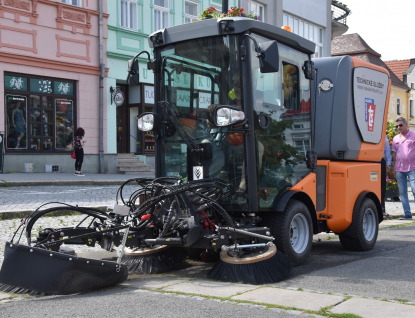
(280, 225)
(367, 215)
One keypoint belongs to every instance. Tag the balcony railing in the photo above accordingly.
(339, 12)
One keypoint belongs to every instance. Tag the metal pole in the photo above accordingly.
(225, 6)
(101, 92)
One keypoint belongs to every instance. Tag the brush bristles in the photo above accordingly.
(273, 269)
(164, 261)
(18, 290)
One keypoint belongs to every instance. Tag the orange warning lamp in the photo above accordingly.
(287, 28)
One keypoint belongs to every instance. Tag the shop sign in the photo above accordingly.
(15, 82)
(63, 88)
(119, 98)
(40, 85)
(149, 94)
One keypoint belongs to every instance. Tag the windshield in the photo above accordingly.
(199, 75)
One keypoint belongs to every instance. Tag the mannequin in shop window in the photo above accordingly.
(19, 124)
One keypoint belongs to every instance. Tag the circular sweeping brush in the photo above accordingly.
(154, 260)
(261, 267)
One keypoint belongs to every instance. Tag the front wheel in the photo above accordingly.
(364, 229)
(293, 231)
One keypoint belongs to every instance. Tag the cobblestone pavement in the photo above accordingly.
(14, 199)
(29, 198)
(8, 227)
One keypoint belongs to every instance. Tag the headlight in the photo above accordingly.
(147, 122)
(226, 116)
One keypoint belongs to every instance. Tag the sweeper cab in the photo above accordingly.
(258, 147)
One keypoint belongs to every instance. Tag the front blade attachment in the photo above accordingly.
(53, 273)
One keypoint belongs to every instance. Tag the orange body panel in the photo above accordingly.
(345, 182)
(308, 186)
(369, 151)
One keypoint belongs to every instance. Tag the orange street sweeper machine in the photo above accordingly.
(258, 147)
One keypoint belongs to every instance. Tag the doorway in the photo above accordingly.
(123, 132)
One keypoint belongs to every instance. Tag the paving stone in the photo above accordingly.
(290, 298)
(370, 308)
(153, 282)
(209, 288)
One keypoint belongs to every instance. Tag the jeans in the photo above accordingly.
(402, 179)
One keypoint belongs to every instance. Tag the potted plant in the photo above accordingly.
(211, 13)
(392, 189)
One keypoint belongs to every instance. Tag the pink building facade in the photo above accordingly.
(52, 73)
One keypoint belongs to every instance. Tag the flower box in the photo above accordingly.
(392, 195)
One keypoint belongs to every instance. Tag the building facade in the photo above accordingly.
(49, 82)
(132, 21)
(62, 69)
(405, 71)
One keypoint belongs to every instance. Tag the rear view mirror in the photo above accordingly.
(269, 58)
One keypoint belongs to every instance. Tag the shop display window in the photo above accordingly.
(40, 113)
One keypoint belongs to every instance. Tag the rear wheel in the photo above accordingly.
(364, 228)
(293, 231)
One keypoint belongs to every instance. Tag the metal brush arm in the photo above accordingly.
(264, 237)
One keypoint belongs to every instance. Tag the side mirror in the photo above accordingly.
(133, 73)
(308, 69)
(228, 116)
(148, 122)
(269, 57)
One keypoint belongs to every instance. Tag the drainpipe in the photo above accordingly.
(101, 91)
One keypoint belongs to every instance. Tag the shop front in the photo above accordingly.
(39, 113)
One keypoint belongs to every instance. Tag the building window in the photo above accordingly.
(302, 145)
(77, 3)
(398, 106)
(259, 9)
(306, 30)
(129, 14)
(161, 14)
(411, 108)
(190, 11)
(39, 113)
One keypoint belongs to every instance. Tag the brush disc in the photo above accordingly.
(154, 260)
(260, 268)
(248, 258)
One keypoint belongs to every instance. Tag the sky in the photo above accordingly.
(387, 26)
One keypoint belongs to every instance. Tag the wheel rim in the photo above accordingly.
(369, 224)
(299, 233)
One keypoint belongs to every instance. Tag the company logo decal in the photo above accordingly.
(370, 110)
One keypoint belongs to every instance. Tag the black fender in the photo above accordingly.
(364, 194)
(300, 196)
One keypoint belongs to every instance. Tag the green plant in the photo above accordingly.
(211, 12)
(391, 183)
(4, 183)
(208, 14)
